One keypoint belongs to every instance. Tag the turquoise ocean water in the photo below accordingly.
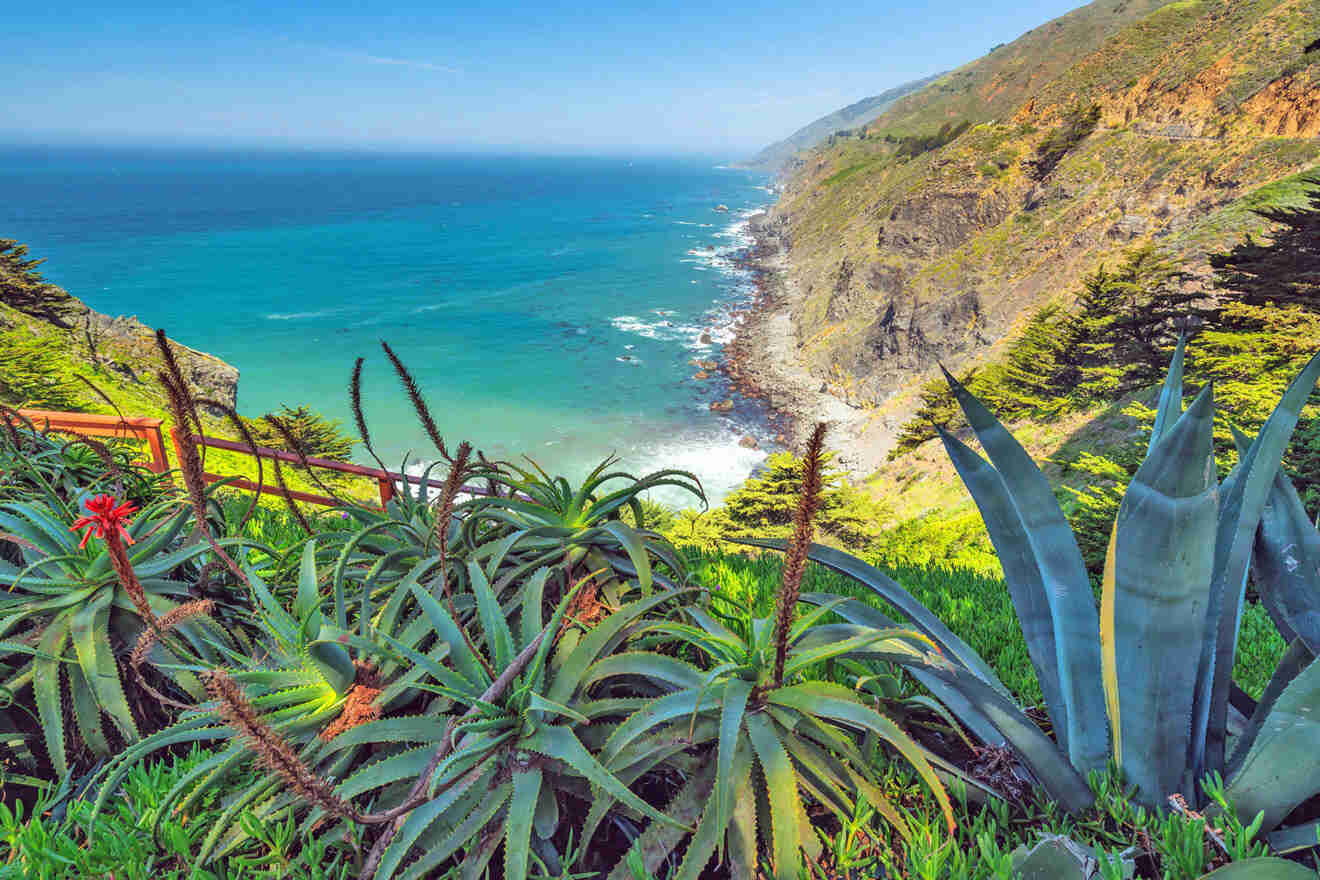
(547, 306)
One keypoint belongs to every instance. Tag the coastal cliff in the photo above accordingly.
(58, 338)
(992, 191)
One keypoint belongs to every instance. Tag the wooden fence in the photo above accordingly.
(148, 430)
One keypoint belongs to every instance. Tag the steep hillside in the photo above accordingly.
(777, 156)
(928, 239)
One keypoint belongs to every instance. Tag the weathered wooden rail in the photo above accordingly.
(149, 430)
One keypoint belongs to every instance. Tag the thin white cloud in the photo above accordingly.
(383, 60)
(399, 62)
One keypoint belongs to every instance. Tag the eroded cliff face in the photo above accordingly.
(898, 264)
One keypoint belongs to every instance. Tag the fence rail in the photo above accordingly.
(148, 430)
(386, 481)
(143, 428)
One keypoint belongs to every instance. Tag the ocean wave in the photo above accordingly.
(298, 316)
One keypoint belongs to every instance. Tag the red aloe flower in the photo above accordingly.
(105, 520)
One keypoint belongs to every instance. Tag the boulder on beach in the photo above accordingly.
(704, 339)
(708, 366)
(723, 209)
(722, 406)
(749, 442)
(702, 374)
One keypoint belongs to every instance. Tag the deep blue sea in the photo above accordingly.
(548, 307)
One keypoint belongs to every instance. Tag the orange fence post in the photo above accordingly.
(142, 428)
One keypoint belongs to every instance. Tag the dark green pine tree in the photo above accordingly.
(1127, 321)
(1283, 272)
(1036, 374)
(22, 286)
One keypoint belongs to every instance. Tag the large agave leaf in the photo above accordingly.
(1170, 404)
(1286, 564)
(1082, 730)
(962, 708)
(1280, 771)
(1295, 660)
(888, 589)
(1155, 602)
(1022, 573)
(1040, 754)
(1262, 868)
(1241, 504)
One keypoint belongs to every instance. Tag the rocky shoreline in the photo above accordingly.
(763, 362)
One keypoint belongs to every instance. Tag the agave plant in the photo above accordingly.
(70, 617)
(1152, 691)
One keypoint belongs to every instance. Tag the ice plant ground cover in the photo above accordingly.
(538, 684)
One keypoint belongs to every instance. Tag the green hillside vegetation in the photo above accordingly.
(1117, 126)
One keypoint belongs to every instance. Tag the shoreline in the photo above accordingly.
(762, 363)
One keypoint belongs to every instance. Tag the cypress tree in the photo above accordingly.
(1284, 271)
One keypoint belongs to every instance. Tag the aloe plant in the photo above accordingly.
(539, 520)
(769, 742)
(1152, 691)
(318, 686)
(520, 761)
(65, 611)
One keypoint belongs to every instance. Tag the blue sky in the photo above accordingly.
(717, 78)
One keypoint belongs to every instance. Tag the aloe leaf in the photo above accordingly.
(1082, 730)
(839, 704)
(308, 597)
(691, 804)
(1164, 555)
(493, 622)
(785, 802)
(671, 671)
(422, 818)
(594, 642)
(518, 823)
(1280, 770)
(378, 774)
(1240, 507)
(636, 548)
(530, 623)
(89, 628)
(87, 713)
(732, 709)
(560, 744)
(334, 664)
(46, 690)
(448, 631)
